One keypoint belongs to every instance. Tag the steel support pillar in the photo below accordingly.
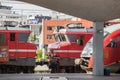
(98, 67)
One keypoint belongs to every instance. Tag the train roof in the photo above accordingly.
(78, 30)
(13, 28)
(112, 28)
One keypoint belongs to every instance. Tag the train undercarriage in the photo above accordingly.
(18, 66)
(66, 65)
(114, 68)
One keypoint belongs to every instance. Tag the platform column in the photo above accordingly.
(98, 67)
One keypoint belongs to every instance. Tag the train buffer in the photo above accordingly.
(53, 78)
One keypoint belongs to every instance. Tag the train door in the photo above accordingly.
(12, 42)
(4, 56)
(112, 51)
(77, 43)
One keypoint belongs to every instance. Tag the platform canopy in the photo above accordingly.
(94, 10)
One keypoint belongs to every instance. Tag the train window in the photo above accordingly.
(63, 37)
(12, 36)
(57, 37)
(23, 37)
(72, 37)
(80, 40)
(112, 44)
(2, 39)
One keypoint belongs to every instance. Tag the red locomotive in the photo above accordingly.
(69, 44)
(19, 54)
(111, 50)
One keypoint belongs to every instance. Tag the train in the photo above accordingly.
(111, 50)
(69, 44)
(17, 54)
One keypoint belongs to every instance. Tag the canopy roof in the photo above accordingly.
(94, 10)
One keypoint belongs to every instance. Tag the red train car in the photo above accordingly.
(68, 46)
(111, 50)
(21, 52)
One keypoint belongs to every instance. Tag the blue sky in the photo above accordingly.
(25, 8)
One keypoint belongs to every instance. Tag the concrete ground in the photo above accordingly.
(65, 76)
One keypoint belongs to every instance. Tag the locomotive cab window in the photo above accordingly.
(72, 37)
(23, 37)
(63, 37)
(12, 36)
(57, 37)
(112, 44)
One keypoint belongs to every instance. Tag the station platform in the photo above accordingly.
(64, 76)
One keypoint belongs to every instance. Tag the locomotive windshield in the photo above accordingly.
(65, 37)
(23, 37)
(57, 37)
(88, 50)
(68, 37)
